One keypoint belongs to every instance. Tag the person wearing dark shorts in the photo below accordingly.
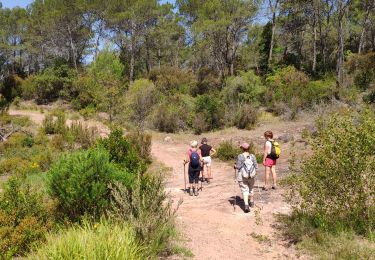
(193, 158)
(207, 152)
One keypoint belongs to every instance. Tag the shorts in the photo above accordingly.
(207, 160)
(270, 162)
(247, 185)
(194, 174)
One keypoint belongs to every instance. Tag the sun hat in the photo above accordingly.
(194, 144)
(245, 146)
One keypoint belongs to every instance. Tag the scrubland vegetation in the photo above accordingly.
(193, 66)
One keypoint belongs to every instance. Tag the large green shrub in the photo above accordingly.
(24, 218)
(362, 68)
(244, 88)
(53, 83)
(334, 186)
(210, 110)
(171, 80)
(121, 151)
(173, 113)
(79, 182)
(246, 117)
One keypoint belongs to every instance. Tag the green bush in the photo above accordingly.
(171, 80)
(24, 218)
(102, 240)
(53, 83)
(141, 143)
(54, 125)
(245, 88)
(369, 98)
(173, 113)
(121, 151)
(83, 135)
(362, 68)
(79, 182)
(227, 151)
(211, 110)
(246, 117)
(334, 186)
(148, 209)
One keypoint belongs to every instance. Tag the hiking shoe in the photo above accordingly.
(196, 193)
(251, 204)
(274, 187)
(247, 209)
(191, 192)
(265, 188)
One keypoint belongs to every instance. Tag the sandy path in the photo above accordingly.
(212, 227)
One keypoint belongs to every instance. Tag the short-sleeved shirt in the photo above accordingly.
(206, 149)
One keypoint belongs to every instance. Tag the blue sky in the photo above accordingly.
(24, 3)
(13, 3)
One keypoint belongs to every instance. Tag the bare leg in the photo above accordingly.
(266, 176)
(209, 172)
(274, 176)
(246, 198)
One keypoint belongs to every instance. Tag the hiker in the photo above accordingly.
(207, 151)
(246, 170)
(269, 160)
(193, 158)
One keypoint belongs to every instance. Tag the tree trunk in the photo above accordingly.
(363, 32)
(273, 8)
(340, 53)
(72, 49)
(314, 42)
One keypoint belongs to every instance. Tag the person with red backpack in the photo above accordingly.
(193, 158)
(270, 156)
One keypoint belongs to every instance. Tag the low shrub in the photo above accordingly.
(173, 113)
(121, 151)
(24, 218)
(211, 110)
(370, 97)
(333, 186)
(83, 135)
(79, 182)
(246, 117)
(102, 240)
(148, 209)
(227, 151)
(54, 125)
(141, 143)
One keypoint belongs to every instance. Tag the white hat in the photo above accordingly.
(194, 144)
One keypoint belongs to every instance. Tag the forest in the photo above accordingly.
(146, 67)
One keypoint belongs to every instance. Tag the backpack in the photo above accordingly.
(248, 169)
(275, 150)
(194, 159)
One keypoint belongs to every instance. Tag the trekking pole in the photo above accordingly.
(184, 163)
(202, 179)
(234, 185)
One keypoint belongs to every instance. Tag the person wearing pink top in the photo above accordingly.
(193, 158)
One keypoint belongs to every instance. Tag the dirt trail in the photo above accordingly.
(213, 227)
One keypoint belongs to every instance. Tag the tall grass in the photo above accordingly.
(102, 240)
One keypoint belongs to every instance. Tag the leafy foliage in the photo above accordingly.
(334, 186)
(227, 151)
(79, 182)
(24, 218)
